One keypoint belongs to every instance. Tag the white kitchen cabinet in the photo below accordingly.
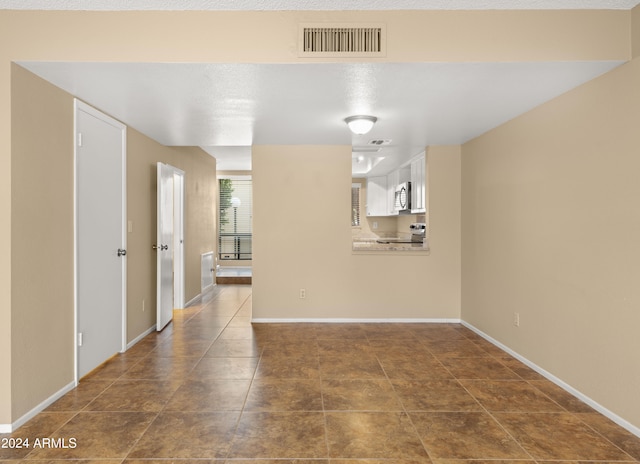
(377, 196)
(418, 184)
(392, 181)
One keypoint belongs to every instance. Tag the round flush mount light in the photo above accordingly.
(360, 124)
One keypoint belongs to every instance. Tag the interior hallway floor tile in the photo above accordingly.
(212, 388)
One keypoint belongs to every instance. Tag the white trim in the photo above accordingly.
(354, 320)
(141, 336)
(125, 234)
(194, 300)
(8, 428)
(565, 386)
(76, 380)
(198, 298)
(179, 269)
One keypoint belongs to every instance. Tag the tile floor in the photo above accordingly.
(211, 387)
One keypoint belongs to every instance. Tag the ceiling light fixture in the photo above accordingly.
(360, 124)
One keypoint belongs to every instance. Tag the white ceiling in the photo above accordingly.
(225, 108)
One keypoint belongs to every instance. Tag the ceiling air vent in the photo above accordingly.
(348, 40)
(379, 142)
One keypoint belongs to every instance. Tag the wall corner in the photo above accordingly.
(635, 32)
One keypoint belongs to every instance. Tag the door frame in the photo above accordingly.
(178, 200)
(79, 105)
(178, 239)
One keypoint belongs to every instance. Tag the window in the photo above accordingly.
(235, 219)
(355, 204)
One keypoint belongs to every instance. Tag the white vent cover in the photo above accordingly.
(380, 142)
(336, 40)
(206, 270)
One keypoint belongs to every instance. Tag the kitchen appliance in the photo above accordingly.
(418, 231)
(402, 203)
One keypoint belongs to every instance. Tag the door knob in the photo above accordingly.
(122, 252)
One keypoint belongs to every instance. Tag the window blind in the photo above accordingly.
(235, 218)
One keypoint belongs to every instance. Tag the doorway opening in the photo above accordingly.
(235, 230)
(169, 243)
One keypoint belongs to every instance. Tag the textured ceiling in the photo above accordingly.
(226, 108)
(315, 4)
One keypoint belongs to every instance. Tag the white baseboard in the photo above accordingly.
(140, 337)
(559, 382)
(352, 320)
(198, 298)
(9, 428)
(194, 300)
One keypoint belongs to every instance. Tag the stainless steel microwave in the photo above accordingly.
(403, 197)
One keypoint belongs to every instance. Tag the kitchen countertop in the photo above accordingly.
(380, 245)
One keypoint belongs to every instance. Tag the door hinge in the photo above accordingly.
(80, 337)
(79, 139)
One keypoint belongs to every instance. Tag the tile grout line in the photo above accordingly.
(490, 414)
(163, 409)
(564, 410)
(255, 370)
(404, 410)
(413, 369)
(517, 442)
(325, 417)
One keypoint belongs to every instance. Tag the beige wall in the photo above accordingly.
(205, 37)
(42, 225)
(550, 230)
(303, 240)
(200, 231)
(42, 248)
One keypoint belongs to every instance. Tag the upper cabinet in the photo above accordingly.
(377, 196)
(418, 184)
(381, 190)
(392, 181)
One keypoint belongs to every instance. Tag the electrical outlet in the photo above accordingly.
(516, 319)
(303, 293)
(375, 224)
(143, 308)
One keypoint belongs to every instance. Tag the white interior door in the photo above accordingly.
(164, 247)
(100, 156)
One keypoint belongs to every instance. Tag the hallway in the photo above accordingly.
(213, 387)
